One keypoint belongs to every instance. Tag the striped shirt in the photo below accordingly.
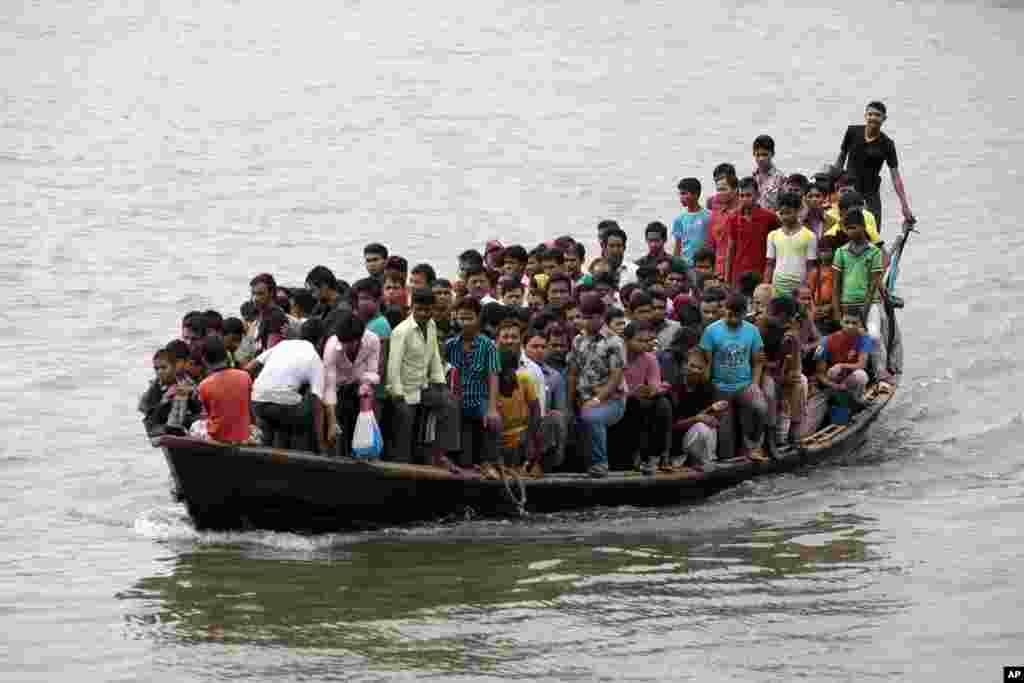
(475, 369)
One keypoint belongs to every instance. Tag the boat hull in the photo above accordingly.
(231, 487)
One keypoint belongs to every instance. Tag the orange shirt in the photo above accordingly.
(822, 294)
(225, 397)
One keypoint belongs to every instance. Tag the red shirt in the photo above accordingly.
(718, 239)
(225, 397)
(749, 234)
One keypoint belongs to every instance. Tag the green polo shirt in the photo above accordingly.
(856, 271)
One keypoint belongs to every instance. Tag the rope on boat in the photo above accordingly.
(518, 500)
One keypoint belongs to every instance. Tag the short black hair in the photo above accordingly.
(876, 104)
(850, 200)
(304, 301)
(469, 303)
(375, 248)
(691, 185)
(248, 310)
(471, 256)
(214, 320)
(782, 307)
(764, 142)
(614, 232)
(368, 285)
(196, 322)
(516, 252)
(214, 351)
(581, 251)
(179, 350)
(560, 277)
(748, 182)
(635, 327)
(736, 303)
(321, 276)
(748, 282)
(427, 271)
(475, 270)
(658, 227)
(423, 297)
(613, 313)
(853, 217)
(704, 254)
(553, 254)
(605, 278)
(349, 327)
(264, 279)
(713, 295)
(789, 200)
(800, 180)
(638, 298)
(722, 170)
(313, 331)
(509, 283)
(398, 263)
(442, 282)
(234, 326)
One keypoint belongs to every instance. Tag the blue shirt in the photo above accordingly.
(691, 228)
(475, 369)
(731, 352)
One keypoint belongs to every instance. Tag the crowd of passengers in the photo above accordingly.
(725, 340)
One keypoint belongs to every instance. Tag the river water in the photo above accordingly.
(156, 155)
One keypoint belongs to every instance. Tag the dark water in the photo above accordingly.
(156, 155)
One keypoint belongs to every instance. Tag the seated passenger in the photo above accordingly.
(417, 388)
(352, 361)
(648, 412)
(554, 426)
(155, 403)
(595, 385)
(842, 358)
(697, 414)
(288, 392)
(730, 348)
(225, 396)
(780, 381)
(511, 291)
(519, 408)
(185, 407)
(474, 361)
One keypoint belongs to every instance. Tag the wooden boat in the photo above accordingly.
(239, 487)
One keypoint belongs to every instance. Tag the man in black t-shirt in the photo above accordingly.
(863, 151)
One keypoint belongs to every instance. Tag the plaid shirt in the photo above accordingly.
(593, 358)
(475, 368)
(769, 185)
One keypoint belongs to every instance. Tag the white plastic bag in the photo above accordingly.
(366, 438)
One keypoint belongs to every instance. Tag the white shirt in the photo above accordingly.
(286, 367)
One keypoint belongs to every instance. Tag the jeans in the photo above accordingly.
(594, 422)
(750, 409)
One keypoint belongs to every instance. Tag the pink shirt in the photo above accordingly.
(339, 370)
(642, 369)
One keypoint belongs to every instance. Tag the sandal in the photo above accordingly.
(758, 455)
(489, 471)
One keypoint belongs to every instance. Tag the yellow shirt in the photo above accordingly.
(414, 360)
(515, 410)
(870, 225)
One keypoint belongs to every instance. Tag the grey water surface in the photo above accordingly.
(155, 155)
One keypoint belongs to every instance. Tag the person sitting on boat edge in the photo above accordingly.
(859, 266)
(416, 385)
(648, 409)
(351, 367)
(225, 395)
(842, 358)
(731, 349)
(554, 426)
(288, 394)
(156, 401)
(474, 361)
(519, 408)
(696, 416)
(595, 381)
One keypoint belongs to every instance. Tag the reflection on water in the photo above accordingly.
(427, 603)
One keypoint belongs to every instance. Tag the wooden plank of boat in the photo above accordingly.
(227, 486)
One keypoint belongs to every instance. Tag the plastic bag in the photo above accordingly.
(366, 438)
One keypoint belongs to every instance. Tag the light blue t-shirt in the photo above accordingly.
(380, 327)
(731, 351)
(691, 228)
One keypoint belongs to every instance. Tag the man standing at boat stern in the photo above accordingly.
(416, 385)
(596, 364)
(732, 350)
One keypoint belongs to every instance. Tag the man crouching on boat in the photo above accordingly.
(416, 384)
(731, 348)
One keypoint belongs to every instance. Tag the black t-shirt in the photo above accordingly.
(865, 159)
